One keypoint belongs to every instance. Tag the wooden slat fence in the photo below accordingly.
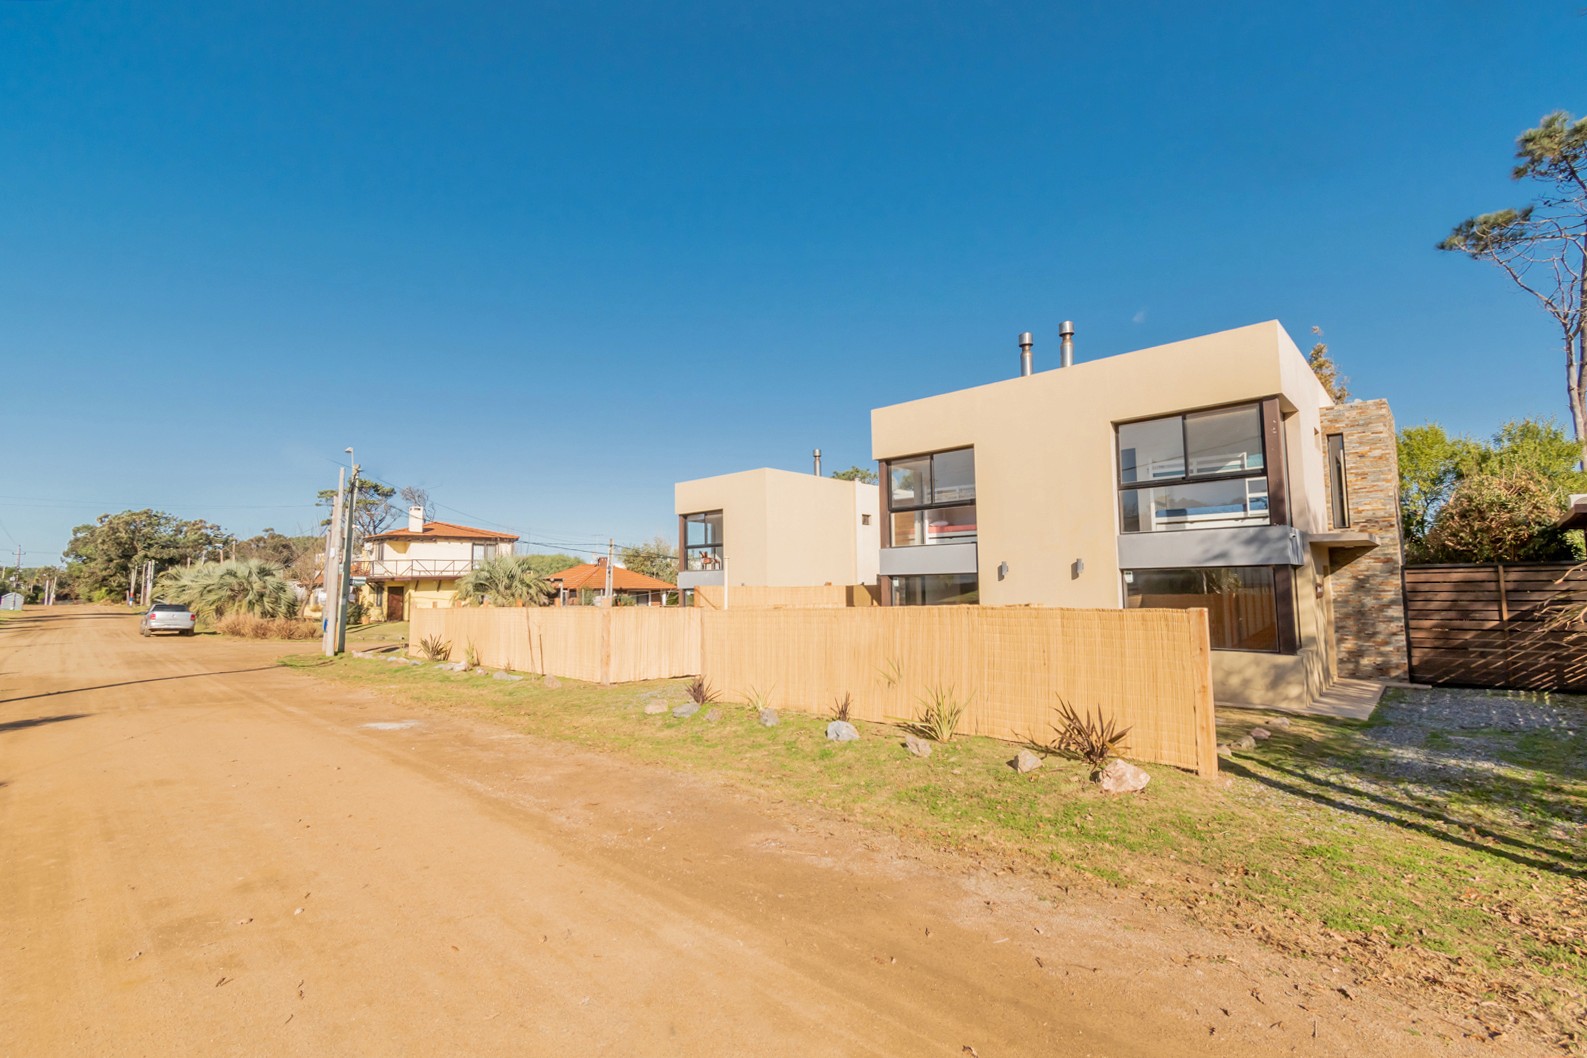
(1483, 625)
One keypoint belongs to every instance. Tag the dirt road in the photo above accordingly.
(208, 854)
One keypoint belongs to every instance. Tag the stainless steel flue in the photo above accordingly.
(1066, 352)
(817, 455)
(1025, 343)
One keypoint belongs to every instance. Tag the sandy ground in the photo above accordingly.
(204, 853)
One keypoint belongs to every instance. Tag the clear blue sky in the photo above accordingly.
(548, 259)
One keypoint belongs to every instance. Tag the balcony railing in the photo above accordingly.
(412, 568)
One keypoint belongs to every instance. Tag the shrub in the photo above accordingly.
(435, 649)
(247, 626)
(758, 699)
(940, 712)
(841, 707)
(471, 657)
(215, 589)
(1507, 516)
(701, 693)
(1094, 740)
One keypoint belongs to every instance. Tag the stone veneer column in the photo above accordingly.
(1368, 599)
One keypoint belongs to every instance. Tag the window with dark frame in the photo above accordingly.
(931, 498)
(1338, 484)
(1198, 470)
(1246, 605)
(936, 589)
(702, 541)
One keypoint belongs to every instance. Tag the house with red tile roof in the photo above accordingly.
(420, 564)
(575, 583)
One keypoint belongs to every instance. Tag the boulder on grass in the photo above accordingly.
(655, 708)
(917, 746)
(1225, 750)
(842, 731)
(504, 676)
(685, 710)
(1245, 742)
(1120, 776)
(1025, 761)
(1261, 734)
(1279, 721)
(713, 716)
(768, 718)
(551, 682)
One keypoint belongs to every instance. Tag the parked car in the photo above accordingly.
(168, 617)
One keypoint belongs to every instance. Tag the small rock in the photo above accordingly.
(1279, 721)
(768, 718)
(1225, 750)
(1261, 734)
(1120, 776)
(1025, 761)
(842, 731)
(505, 676)
(1245, 742)
(686, 709)
(655, 708)
(713, 716)
(917, 746)
(552, 682)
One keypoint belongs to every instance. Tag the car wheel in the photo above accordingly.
(144, 632)
(187, 631)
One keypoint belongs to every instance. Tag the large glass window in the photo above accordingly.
(945, 589)
(1241, 601)
(931, 498)
(482, 553)
(702, 541)
(1203, 470)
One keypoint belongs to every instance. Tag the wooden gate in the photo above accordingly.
(1485, 626)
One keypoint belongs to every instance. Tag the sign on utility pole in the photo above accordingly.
(331, 613)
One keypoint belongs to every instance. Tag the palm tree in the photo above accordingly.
(214, 589)
(507, 580)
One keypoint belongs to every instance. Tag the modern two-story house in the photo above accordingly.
(420, 564)
(776, 528)
(1213, 472)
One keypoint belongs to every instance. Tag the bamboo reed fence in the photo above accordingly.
(816, 597)
(1011, 666)
(599, 644)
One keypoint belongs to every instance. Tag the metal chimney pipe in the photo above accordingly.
(1024, 353)
(817, 455)
(1066, 352)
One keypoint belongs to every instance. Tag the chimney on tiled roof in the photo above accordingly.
(415, 519)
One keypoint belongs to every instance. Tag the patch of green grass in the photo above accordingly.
(1306, 841)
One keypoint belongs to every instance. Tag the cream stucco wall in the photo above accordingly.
(1046, 477)
(781, 529)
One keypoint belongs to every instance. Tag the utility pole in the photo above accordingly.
(609, 547)
(333, 567)
(346, 577)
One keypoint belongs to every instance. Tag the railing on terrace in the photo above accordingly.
(412, 568)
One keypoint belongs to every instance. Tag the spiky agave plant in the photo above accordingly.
(507, 580)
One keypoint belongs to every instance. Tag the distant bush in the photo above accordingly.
(247, 626)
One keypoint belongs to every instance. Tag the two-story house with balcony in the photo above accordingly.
(420, 564)
(776, 528)
(1214, 472)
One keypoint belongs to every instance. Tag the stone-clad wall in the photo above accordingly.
(1368, 604)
